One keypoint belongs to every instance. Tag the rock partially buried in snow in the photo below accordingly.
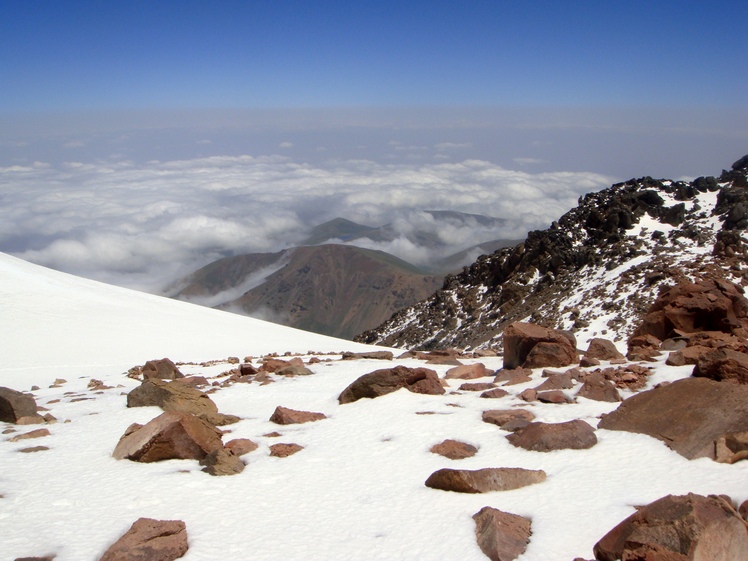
(285, 449)
(14, 405)
(388, 380)
(484, 480)
(468, 371)
(171, 435)
(678, 528)
(690, 415)
(544, 437)
(150, 540)
(454, 449)
(502, 536)
(285, 416)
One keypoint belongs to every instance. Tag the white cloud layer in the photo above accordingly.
(142, 225)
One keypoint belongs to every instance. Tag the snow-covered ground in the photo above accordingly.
(355, 492)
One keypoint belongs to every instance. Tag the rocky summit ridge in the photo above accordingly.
(595, 271)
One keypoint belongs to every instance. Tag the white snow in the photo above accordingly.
(355, 492)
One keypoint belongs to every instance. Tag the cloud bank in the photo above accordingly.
(144, 224)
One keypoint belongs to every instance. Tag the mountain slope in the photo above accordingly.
(595, 271)
(332, 289)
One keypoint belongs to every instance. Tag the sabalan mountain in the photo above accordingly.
(595, 271)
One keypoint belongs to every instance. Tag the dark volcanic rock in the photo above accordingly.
(382, 382)
(544, 437)
(692, 416)
(502, 536)
(150, 540)
(678, 528)
(14, 405)
(483, 480)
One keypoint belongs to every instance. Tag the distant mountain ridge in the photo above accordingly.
(595, 271)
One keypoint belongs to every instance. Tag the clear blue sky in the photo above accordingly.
(79, 55)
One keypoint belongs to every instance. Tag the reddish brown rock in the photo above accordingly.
(476, 386)
(586, 362)
(372, 355)
(554, 396)
(743, 510)
(687, 355)
(283, 450)
(678, 528)
(483, 480)
(284, 416)
(222, 462)
(513, 376)
(723, 365)
(171, 435)
(494, 393)
(528, 395)
(602, 349)
(502, 417)
(241, 446)
(454, 449)
(31, 420)
(501, 536)
(689, 415)
(556, 381)
(597, 388)
(14, 405)
(382, 382)
(150, 540)
(468, 371)
(532, 346)
(38, 433)
(163, 369)
(544, 437)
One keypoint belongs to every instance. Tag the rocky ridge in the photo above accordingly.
(595, 271)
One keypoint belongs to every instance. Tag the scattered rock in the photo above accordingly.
(382, 382)
(30, 420)
(598, 388)
(602, 349)
(284, 416)
(494, 393)
(171, 435)
(689, 415)
(723, 365)
(222, 462)
(454, 449)
(241, 446)
(150, 540)
(38, 433)
(544, 437)
(502, 536)
(476, 386)
(468, 371)
(678, 528)
(14, 404)
(503, 417)
(533, 346)
(513, 376)
(373, 355)
(554, 396)
(483, 480)
(32, 449)
(283, 450)
(163, 369)
(556, 382)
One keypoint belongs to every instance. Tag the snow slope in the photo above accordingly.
(355, 492)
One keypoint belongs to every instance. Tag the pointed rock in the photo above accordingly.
(502, 536)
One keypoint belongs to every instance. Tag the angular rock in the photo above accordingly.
(678, 528)
(689, 415)
(502, 417)
(283, 450)
(171, 435)
(241, 446)
(163, 369)
(597, 388)
(533, 346)
(508, 375)
(468, 371)
(501, 536)
(554, 396)
(284, 416)
(483, 480)
(150, 540)
(687, 355)
(382, 382)
(723, 365)
(556, 382)
(222, 462)
(176, 396)
(454, 449)
(14, 405)
(602, 349)
(544, 437)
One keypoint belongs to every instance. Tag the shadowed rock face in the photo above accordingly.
(388, 380)
(692, 416)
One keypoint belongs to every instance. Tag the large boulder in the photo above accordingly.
(544, 437)
(388, 380)
(150, 540)
(484, 480)
(171, 435)
(176, 396)
(14, 405)
(693, 416)
(678, 528)
(502, 536)
(532, 346)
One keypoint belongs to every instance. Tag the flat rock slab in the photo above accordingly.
(502, 536)
(483, 480)
(545, 437)
(150, 540)
(691, 415)
(285, 416)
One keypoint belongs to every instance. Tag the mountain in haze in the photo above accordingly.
(595, 271)
(331, 289)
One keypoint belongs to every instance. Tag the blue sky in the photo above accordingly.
(86, 55)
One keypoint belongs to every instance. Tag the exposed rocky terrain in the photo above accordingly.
(595, 271)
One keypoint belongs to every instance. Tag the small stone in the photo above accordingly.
(454, 449)
(283, 450)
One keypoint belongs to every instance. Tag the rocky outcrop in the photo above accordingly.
(696, 417)
(502, 536)
(15, 405)
(484, 480)
(678, 528)
(388, 380)
(171, 435)
(150, 540)
(528, 345)
(285, 416)
(545, 437)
